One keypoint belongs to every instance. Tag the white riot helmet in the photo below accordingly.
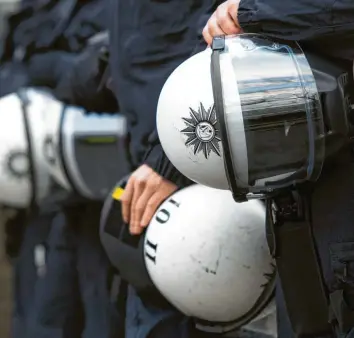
(243, 115)
(208, 256)
(84, 151)
(24, 178)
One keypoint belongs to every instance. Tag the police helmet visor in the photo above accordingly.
(269, 113)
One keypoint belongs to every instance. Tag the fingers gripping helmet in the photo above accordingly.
(24, 178)
(208, 256)
(243, 115)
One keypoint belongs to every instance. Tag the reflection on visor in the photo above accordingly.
(279, 105)
(255, 86)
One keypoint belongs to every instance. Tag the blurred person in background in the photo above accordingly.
(64, 292)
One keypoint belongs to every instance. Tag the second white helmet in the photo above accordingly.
(209, 257)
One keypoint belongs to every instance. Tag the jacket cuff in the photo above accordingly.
(157, 160)
(247, 16)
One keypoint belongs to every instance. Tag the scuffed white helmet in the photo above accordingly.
(209, 257)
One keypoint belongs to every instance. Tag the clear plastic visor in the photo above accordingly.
(272, 113)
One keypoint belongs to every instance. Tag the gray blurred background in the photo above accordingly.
(6, 6)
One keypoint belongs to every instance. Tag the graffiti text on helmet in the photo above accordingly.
(162, 216)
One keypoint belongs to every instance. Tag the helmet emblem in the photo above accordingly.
(202, 131)
(18, 164)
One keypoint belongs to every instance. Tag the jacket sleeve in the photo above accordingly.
(85, 84)
(325, 26)
(156, 159)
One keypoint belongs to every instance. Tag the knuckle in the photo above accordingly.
(155, 183)
(152, 183)
(221, 9)
(138, 209)
(125, 197)
(219, 14)
(124, 200)
(139, 181)
(145, 168)
(151, 205)
(232, 6)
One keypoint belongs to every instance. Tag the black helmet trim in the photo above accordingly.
(22, 95)
(218, 46)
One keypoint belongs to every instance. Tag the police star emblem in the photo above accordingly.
(202, 131)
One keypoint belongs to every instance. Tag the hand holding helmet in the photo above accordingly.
(204, 253)
(223, 21)
(143, 193)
